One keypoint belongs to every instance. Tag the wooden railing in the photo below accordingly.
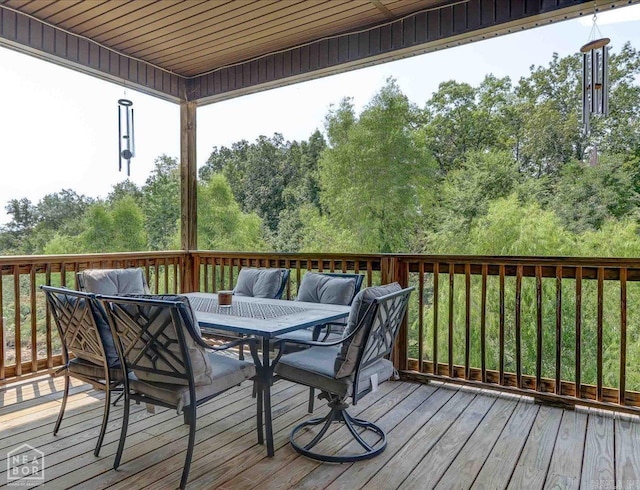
(29, 341)
(562, 330)
(552, 328)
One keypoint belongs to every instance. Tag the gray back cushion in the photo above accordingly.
(320, 288)
(259, 283)
(347, 358)
(112, 282)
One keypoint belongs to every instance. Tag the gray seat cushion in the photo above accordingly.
(226, 372)
(307, 334)
(89, 369)
(259, 283)
(347, 358)
(315, 367)
(320, 288)
(112, 282)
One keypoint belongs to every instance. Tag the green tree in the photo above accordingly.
(98, 234)
(128, 226)
(125, 188)
(375, 171)
(161, 202)
(221, 223)
(586, 197)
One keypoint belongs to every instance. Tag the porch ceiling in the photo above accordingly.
(207, 50)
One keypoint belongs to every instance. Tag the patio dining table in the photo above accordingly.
(265, 319)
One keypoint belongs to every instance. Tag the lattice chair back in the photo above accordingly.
(84, 331)
(73, 313)
(377, 314)
(154, 341)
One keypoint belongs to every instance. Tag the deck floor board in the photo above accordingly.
(438, 436)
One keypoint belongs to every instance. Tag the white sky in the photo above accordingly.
(58, 127)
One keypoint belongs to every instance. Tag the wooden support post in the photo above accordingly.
(188, 188)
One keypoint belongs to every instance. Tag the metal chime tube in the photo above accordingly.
(119, 138)
(592, 84)
(127, 136)
(585, 92)
(605, 80)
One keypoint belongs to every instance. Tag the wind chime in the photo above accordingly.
(595, 81)
(126, 143)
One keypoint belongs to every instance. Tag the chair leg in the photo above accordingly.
(192, 439)
(118, 398)
(105, 419)
(311, 400)
(123, 431)
(63, 406)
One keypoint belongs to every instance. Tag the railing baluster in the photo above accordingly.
(214, 275)
(623, 336)
(166, 276)
(538, 327)
(231, 266)
(558, 330)
(420, 316)
(483, 324)
(578, 331)
(205, 275)
(47, 320)
(34, 323)
(287, 265)
(501, 333)
(16, 300)
(436, 273)
(467, 320)
(519, 326)
(175, 278)
(369, 273)
(3, 340)
(599, 365)
(451, 298)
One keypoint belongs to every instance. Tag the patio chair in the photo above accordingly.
(85, 333)
(327, 288)
(261, 283)
(169, 364)
(351, 367)
(113, 281)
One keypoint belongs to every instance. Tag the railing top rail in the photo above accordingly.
(287, 255)
(521, 260)
(93, 257)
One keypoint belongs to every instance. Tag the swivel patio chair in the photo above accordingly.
(113, 281)
(84, 332)
(351, 367)
(326, 288)
(168, 363)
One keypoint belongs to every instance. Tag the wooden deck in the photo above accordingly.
(439, 436)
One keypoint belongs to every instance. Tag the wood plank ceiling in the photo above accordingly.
(193, 37)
